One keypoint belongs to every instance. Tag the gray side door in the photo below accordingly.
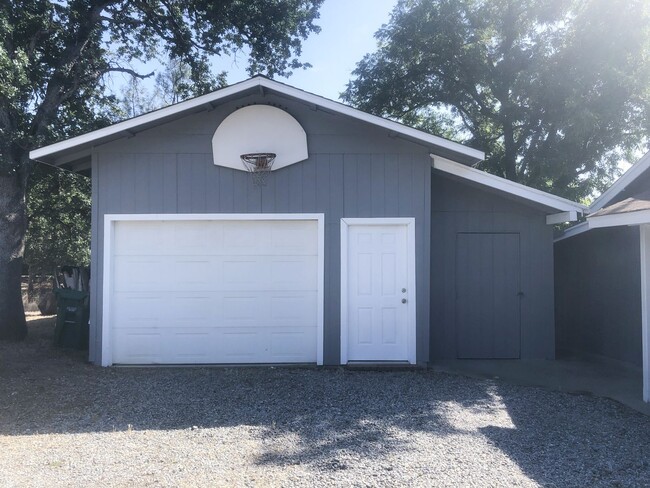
(488, 321)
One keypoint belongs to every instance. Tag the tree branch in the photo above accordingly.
(128, 71)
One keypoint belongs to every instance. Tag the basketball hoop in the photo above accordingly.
(258, 165)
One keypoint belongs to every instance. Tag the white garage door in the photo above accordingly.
(227, 291)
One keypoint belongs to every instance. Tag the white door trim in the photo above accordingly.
(644, 232)
(109, 228)
(410, 246)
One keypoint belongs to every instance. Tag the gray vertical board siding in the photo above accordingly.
(598, 294)
(457, 207)
(353, 170)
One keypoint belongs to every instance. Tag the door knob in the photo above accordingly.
(403, 300)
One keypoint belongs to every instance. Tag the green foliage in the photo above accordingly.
(172, 85)
(56, 57)
(555, 91)
(58, 205)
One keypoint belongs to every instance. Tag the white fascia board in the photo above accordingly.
(614, 220)
(131, 124)
(396, 127)
(573, 231)
(636, 170)
(204, 100)
(562, 217)
(507, 186)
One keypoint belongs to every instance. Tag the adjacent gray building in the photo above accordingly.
(601, 276)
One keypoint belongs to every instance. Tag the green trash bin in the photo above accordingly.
(72, 318)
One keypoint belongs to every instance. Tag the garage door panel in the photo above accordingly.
(297, 273)
(242, 345)
(248, 273)
(192, 274)
(140, 273)
(241, 310)
(192, 309)
(137, 310)
(190, 237)
(293, 308)
(190, 345)
(293, 238)
(246, 293)
(138, 346)
(214, 309)
(143, 238)
(288, 345)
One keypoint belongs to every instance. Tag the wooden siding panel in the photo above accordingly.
(336, 203)
(309, 184)
(323, 185)
(458, 208)
(281, 192)
(295, 187)
(364, 185)
(170, 187)
(212, 184)
(226, 190)
(391, 177)
(350, 185)
(405, 182)
(377, 189)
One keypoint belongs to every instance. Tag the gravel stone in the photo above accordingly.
(66, 423)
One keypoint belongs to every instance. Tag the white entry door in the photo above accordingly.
(378, 319)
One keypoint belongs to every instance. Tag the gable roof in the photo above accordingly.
(81, 146)
(599, 214)
(517, 189)
(631, 211)
(636, 203)
(636, 170)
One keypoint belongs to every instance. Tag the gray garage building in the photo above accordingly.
(351, 238)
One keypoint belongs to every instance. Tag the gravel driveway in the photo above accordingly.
(65, 423)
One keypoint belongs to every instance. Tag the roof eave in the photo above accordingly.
(517, 189)
(636, 170)
(129, 127)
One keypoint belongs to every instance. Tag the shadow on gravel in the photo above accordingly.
(573, 440)
(324, 415)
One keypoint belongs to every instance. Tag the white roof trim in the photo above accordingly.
(619, 185)
(613, 220)
(498, 183)
(573, 231)
(258, 81)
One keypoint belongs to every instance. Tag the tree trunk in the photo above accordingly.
(510, 156)
(13, 222)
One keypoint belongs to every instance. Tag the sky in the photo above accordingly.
(347, 34)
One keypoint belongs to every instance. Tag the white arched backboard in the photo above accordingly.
(259, 129)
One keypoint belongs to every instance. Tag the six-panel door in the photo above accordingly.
(378, 294)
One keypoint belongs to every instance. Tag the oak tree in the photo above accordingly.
(555, 91)
(55, 57)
